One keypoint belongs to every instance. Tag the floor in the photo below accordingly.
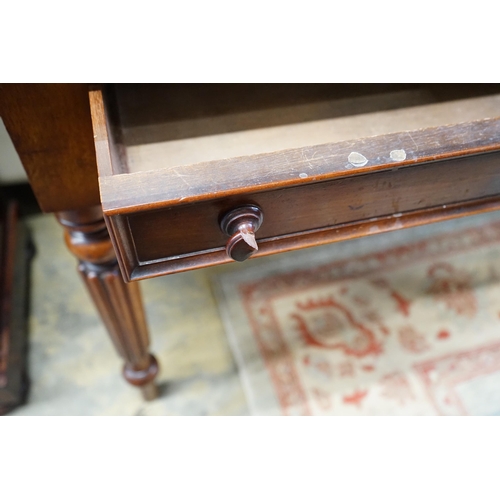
(74, 369)
(73, 366)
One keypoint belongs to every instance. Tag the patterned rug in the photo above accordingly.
(404, 323)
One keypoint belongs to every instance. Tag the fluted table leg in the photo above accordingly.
(119, 303)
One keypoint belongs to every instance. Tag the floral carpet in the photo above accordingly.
(404, 324)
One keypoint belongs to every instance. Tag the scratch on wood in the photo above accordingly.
(307, 160)
(182, 177)
(412, 140)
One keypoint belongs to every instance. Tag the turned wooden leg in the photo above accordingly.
(119, 303)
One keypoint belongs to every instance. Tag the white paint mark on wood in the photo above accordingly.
(398, 154)
(357, 159)
(303, 175)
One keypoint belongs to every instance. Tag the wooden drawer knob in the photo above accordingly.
(240, 225)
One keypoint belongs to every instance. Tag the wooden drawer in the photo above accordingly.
(323, 163)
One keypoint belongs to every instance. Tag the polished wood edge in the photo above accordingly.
(306, 239)
(101, 138)
(88, 219)
(126, 254)
(143, 376)
(294, 167)
(87, 238)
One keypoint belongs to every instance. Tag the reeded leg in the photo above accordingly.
(119, 303)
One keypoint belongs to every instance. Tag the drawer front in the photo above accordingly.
(181, 237)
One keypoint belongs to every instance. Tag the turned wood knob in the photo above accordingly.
(240, 225)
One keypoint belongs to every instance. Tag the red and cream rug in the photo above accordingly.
(404, 323)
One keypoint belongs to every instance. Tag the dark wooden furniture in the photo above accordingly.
(197, 175)
(16, 250)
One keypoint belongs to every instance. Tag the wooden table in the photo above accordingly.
(149, 180)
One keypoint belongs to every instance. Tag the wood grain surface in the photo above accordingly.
(134, 270)
(127, 193)
(50, 127)
(194, 228)
(316, 123)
